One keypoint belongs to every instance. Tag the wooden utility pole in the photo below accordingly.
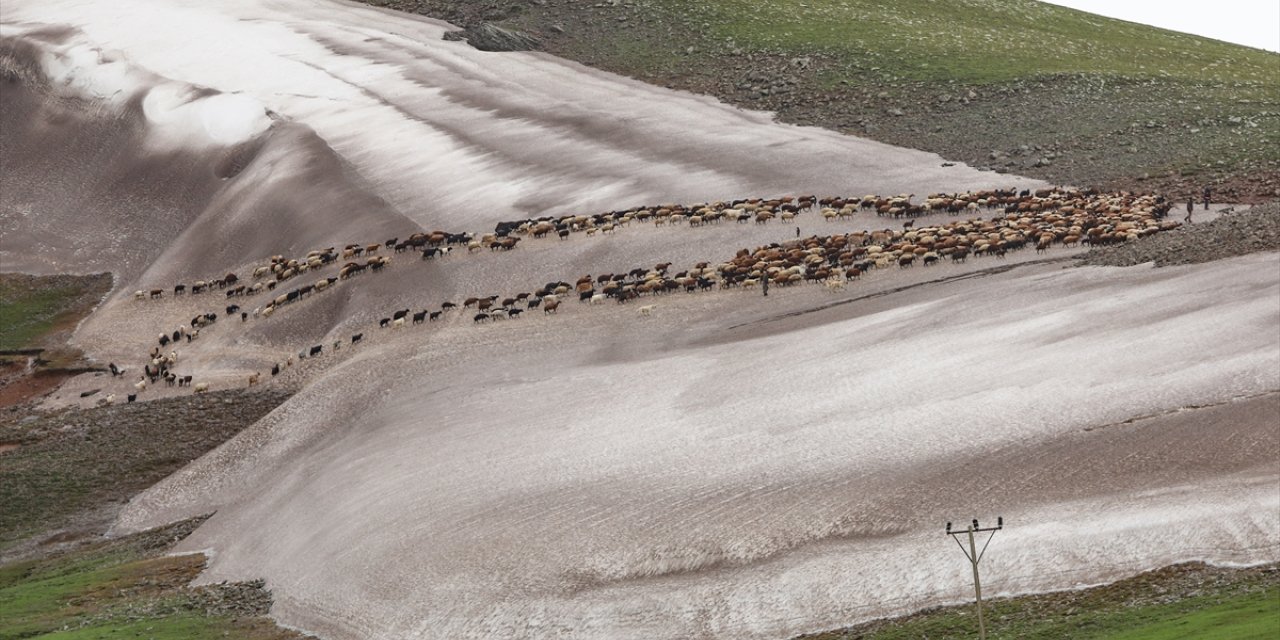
(974, 557)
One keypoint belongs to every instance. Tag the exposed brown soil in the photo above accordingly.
(25, 379)
(28, 387)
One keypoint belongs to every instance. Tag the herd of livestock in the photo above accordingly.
(1014, 221)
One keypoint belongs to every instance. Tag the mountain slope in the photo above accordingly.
(1014, 85)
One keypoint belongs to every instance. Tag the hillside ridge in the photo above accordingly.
(1050, 92)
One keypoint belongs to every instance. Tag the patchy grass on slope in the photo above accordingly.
(977, 40)
(72, 469)
(127, 588)
(1011, 85)
(1183, 601)
(33, 306)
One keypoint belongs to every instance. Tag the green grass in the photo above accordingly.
(1254, 616)
(977, 41)
(123, 589)
(31, 307)
(26, 315)
(1187, 601)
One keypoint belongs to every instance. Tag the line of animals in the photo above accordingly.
(1039, 218)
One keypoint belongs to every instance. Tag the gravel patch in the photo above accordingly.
(1231, 234)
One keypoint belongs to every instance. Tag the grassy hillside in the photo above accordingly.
(127, 588)
(1185, 601)
(33, 306)
(972, 41)
(1011, 85)
(65, 474)
(63, 478)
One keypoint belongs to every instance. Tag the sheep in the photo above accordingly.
(357, 338)
(141, 384)
(598, 298)
(647, 309)
(139, 295)
(550, 307)
(201, 387)
(397, 323)
(253, 378)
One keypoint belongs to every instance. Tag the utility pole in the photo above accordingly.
(974, 557)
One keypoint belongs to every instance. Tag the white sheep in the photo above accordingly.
(397, 323)
(141, 384)
(647, 309)
(201, 387)
(598, 298)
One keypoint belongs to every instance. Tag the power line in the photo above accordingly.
(975, 557)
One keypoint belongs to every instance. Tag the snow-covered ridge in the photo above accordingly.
(452, 136)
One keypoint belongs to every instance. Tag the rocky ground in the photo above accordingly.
(1160, 133)
(64, 475)
(1231, 234)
